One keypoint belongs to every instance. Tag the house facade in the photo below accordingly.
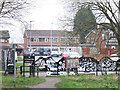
(58, 39)
(4, 39)
(4, 46)
(104, 41)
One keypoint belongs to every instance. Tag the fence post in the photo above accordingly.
(75, 71)
(118, 67)
(34, 67)
(105, 71)
(23, 66)
(21, 70)
(37, 71)
(68, 72)
(30, 70)
(96, 68)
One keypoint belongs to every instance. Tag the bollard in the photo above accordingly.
(68, 72)
(30, 70)
(37, 71)
(75, 71)
(33, 69)
(96, 68)
(21, 70)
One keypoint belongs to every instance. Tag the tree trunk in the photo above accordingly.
(119, 46)
(119, 31)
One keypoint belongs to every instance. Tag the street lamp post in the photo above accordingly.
(30, 36)
(51, 40)
(51, 37)
(65, 41)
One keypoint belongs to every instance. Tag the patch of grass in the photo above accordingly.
(21, 64)
(10, 87)
(22, 80)
(28, 69)
(57, 76)
(88, 81)
(20, 58)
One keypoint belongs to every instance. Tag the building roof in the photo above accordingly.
(55, 33)
(87, 45)
(90, 33)
(4, 34)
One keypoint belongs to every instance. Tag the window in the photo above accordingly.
(43, 40)
(113, 47)
(46, 39)
(88, 40)
(110, 34)
(73, 40)
(3, 40)
(33, 40)
(62, 39)
(103, 36)
(92, 40)
(54, 39)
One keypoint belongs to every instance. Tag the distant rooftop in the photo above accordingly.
(4, 34)
(55, 33)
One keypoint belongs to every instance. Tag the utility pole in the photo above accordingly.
(14, 50)
(65, 40)
(51, 37)
(51, 40)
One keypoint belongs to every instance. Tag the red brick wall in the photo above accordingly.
(43, 43)
(86, 51)
(7, 43)
(91, 35)
(101, 44)
(27, 41)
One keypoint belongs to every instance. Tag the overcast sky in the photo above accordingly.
(44, 15)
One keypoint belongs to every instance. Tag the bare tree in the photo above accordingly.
(107, 13)
(107, 10)
(66, 21)
(12, 9)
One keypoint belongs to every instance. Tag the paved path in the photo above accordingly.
(50, 83)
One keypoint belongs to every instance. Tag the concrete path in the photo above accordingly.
(50, 83)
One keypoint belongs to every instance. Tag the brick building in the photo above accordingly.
(4, 39)
(42, 39)
(104, 41)
(4, 46)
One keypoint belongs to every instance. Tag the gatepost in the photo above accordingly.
(14, 49)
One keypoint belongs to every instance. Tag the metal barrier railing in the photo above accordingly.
(87, 64)
(31, 70)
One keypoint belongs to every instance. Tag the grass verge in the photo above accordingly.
(28, 69)
(88, 81)
(8, 81)
(21, 64)
(20, 57)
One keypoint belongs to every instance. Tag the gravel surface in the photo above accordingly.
(50, 83)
